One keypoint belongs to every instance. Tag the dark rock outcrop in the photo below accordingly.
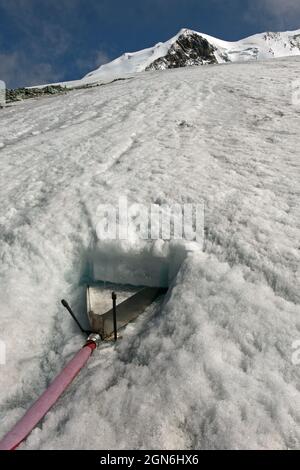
(20, 94)
(189, 49)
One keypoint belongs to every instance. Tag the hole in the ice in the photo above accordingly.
(151, 264)
(123, 266)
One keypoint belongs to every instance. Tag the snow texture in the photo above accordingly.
(210, 366)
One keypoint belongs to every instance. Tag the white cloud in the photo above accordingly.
(16, 68)
(39, 31)
(278, 7)
(276, 14)
(101, 58)
(92, 61)
(42, 41)
(45, 41)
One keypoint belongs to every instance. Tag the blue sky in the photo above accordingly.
(42, 41)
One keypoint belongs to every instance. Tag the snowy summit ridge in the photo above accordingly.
(193, 48)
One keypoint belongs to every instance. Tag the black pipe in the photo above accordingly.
(67, 306)
(114, 299)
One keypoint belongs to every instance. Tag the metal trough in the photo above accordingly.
(130, 303)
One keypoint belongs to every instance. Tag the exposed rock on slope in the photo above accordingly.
(190, 49)
(20, 94)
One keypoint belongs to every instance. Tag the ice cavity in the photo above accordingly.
(147, 263)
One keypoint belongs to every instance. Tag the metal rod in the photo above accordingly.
(114, 299)
(67, 306)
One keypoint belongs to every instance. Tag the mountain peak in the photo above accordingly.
(189, 48)
(184, 31)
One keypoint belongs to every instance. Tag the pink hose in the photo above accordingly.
(41, 407)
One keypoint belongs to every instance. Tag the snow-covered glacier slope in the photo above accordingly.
(211, 366)
(192, 48)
